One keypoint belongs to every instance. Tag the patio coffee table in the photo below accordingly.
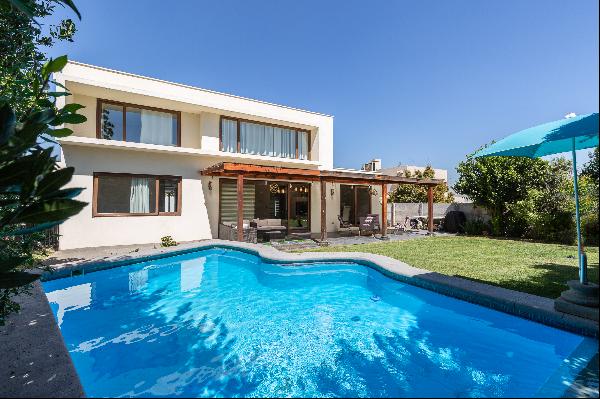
(274, 235)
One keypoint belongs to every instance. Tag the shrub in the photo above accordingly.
(476, 227)
(543, 217)
(167, 241)
(589, 229)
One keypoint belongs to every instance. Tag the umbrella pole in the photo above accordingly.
(581, 263)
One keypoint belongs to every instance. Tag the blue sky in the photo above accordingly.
(418, 82)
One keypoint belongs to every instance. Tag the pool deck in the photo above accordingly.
(43, 368)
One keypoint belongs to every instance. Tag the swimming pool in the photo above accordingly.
(221, 322)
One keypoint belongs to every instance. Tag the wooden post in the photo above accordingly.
(323, 210)
(240, 205)
(430, 209)
(384, 211)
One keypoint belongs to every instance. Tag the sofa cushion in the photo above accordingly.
(273, 222)
(270, 228)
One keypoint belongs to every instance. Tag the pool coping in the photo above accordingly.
(528, 306)
(36, 362)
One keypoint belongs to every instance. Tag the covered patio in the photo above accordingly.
(294, 178)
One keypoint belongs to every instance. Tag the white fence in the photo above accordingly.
(397, 212)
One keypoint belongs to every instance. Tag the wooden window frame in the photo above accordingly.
(239, 147)
(124, 106)
(156, 212)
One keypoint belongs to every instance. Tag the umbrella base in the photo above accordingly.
(579, 300)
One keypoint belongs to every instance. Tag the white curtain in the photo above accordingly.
(303, 145)
(229, 135)
(285, 143)
(170, 197)
(139, 199)
(157, 128)
(256, 139)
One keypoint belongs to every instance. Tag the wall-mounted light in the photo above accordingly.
(332, 191)
(210, 185)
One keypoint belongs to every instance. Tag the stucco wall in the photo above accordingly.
(199, 209)
(200, 115)
(200, 108)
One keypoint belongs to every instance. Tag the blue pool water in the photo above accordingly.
(223, 323)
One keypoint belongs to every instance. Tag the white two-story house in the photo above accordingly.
(164, 159)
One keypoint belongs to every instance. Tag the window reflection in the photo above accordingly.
(71, 298)
(111, 120)
(191, 274)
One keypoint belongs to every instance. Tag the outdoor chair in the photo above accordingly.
(346, 227)
(369, 224)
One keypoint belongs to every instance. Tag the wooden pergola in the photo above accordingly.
(240, 171)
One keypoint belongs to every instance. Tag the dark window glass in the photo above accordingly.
(126, 194)
(111, 122)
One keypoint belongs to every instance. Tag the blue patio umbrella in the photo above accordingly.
(569, 134)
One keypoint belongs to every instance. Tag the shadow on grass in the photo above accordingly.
(550, 283)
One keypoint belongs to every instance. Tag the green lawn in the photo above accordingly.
(540, 269)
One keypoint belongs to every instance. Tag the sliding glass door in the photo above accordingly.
(299, 207)
(281, 203)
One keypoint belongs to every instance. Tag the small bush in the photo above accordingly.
(589, 229)
(476, 227)
(167, 241)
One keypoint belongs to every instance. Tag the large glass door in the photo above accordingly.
(299, 207)
(355, 202)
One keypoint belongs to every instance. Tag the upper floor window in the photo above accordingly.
(138, 124)
(257, 138)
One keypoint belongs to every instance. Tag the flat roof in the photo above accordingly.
(194, 88)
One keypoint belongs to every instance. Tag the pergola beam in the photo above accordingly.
(231, 169)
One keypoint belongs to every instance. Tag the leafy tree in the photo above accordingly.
(588, 197)
(32, 193)
(495, 182)
(547, 212)
(417, 193)
(22, 40)
(589, 183)
(591, 168)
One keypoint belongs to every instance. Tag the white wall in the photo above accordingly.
(200, 108)
(199, 208)
(200, 115)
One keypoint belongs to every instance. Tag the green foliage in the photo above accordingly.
(417, 193)
(476, 227)
(588, 200)
(22, 39)
(591, 168)
(32, 193)
(167, 241)
(590, 230)
(553, 205)
(496, 182)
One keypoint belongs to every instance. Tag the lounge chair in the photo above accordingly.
(346, 227)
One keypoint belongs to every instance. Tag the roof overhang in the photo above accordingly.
(231, 169)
